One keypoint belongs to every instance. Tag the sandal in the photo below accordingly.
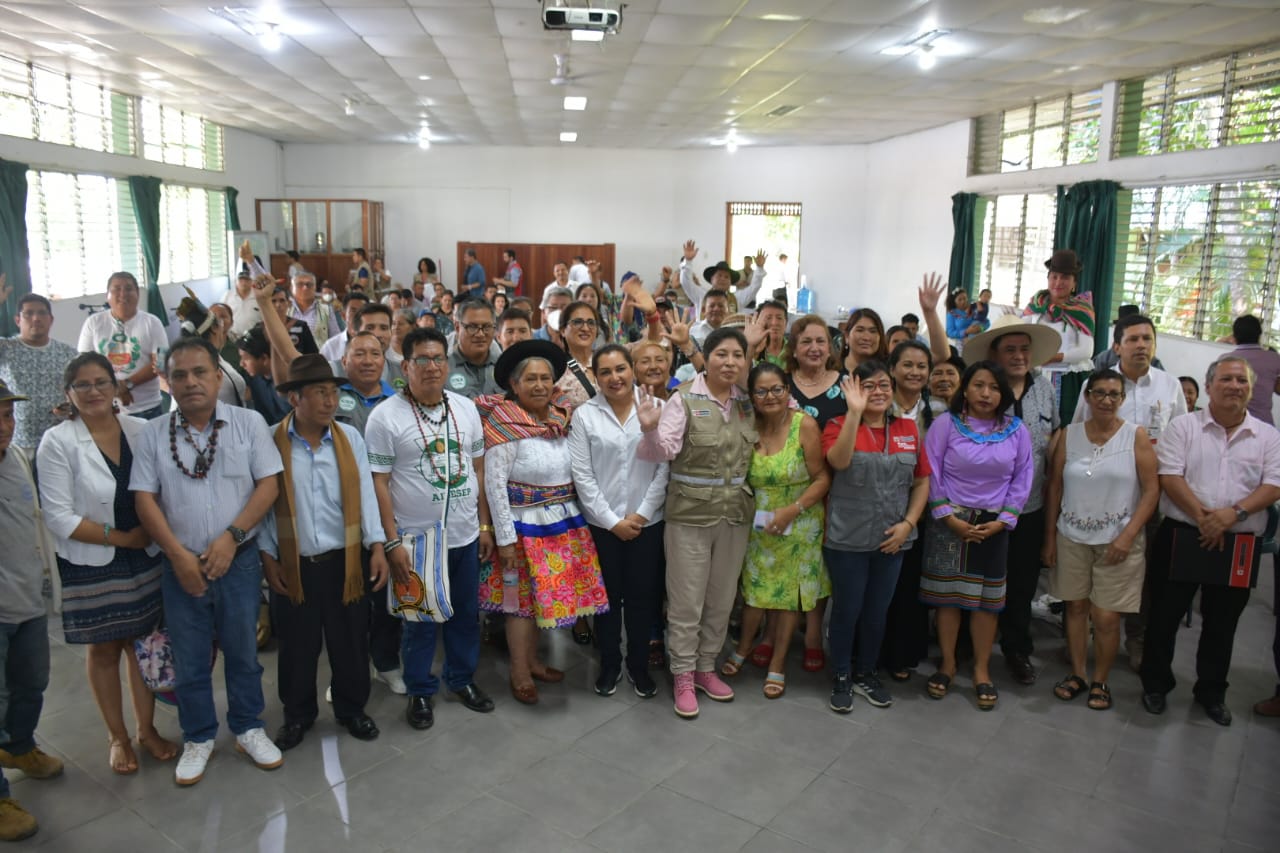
(761, 655)
(987, 695)
(123, 760)
(775, 684)
(901, 675)
(582, 631)
(938, 685)
(814, 660)
(160, 748)
(526, 694)
(732, 665)
(1099, 696)
(1069, 688)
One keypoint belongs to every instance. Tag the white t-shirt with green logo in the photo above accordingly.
(394, 437)
(129, 346)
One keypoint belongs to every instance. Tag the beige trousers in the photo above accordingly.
(703, 568)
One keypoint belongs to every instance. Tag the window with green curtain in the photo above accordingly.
(1086, 223)
(967, 211)
(146, 210)
(13, 240)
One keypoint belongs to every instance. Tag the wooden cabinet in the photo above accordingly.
(537, 260)
(324, 232)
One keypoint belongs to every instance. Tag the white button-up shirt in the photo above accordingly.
(1221, 471)
(612, 482)
(1151, 402)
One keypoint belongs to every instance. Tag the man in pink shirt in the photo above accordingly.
(1247, 331)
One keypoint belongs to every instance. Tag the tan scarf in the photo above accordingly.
(286, 522)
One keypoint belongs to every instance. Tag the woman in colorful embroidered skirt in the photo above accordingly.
(981, 461)
(1102, 490)
(547, 573)
(110, 569)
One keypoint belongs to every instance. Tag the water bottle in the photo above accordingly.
(510, 590)
(804, 297)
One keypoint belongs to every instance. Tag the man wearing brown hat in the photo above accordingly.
(311, 554)
(719, 277)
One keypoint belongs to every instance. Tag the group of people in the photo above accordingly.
(624, 468)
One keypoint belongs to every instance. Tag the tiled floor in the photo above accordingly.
(580, 772)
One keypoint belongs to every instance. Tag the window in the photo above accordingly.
(193, 236)
(183, 139)
(1059, 132)
(1017, 238)
(1195, 257)
(80, 229)
(769, 225)
(52, 106)
(1233, 100)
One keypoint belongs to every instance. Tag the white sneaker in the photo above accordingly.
(195, 757)
(394, 681)
(255, 744)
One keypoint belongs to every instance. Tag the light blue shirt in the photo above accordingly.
(317, 494)
(198, 511)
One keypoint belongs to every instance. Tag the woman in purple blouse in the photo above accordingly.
(981, 462)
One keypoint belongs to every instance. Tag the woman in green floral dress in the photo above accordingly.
(784, 572)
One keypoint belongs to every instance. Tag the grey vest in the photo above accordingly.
(709, 474)
(868, 497)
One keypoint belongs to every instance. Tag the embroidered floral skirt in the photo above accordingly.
(559, 571)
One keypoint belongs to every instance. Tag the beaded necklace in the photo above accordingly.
(437, 443)
(204, 455)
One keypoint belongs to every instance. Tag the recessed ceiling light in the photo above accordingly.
(568, 136)
(780, 17)
(926, 60)
(587, 35)
(1052, 15)
(270, 38)
(575, 102)
(424, 76)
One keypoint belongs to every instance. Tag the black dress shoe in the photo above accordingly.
(474, 698)
(419, 714)
(1021, 668)
(1218, 712)
(361, 726)
(1155, 703)
(290, 735)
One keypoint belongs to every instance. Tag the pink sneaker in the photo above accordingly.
(713, 685)
(686, 699)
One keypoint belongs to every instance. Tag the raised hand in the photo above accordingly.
(690, 250)
(761, 257)
(931, 289)
(756, 334)
(854, 397)
(641, 298)
(647, 410)
(679, 334)
(246, 252)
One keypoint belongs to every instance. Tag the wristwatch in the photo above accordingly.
(1242, 514)
(237, 534)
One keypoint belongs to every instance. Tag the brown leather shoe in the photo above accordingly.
(527, 695)
(548, 675)
(1268, 707)
(1021, 668)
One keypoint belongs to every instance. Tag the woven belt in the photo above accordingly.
(527, 494)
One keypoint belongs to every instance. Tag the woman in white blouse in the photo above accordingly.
(622, 498)
(110, 569)
(1070, 313)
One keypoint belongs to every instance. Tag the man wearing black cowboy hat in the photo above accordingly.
(311, 554)
(719, 277)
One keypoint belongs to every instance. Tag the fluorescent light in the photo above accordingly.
(775, 16)
(575, 102)
(424, 143)
(898, 50)
(424, 76)
(587, 35)
(1053, 15)
(926, 60)
(731, 146)
(568, 136)
(270, 38)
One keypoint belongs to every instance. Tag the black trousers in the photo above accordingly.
(1021, 580)
(906, 632)
(1220, 609)
(384, 629)
(344, 630)
(635, 578)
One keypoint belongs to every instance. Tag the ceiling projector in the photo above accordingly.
(564, 15)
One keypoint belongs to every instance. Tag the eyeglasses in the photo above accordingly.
(97, 385)
(1114, 396)
(868, 387)
(776, 391)
(425, 360)
(582, 323)
(478, 328)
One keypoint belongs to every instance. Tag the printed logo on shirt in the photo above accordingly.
(346, 403)
(904, 443)
(457, 382)
(701, 413)
(432, 462)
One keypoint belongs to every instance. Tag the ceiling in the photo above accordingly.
(679, 73)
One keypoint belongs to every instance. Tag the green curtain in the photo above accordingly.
(964, 245)
(146, 209)
(1087, 223)
(14, 256)
(233, 212)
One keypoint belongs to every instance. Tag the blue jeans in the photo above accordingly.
(228, 611)
(461, 633)
(24, 674)
(862, 585)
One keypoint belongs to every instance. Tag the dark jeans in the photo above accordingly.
(384, 629)
(906, 630)
(228, 610)
(1220, 609)
(862, 585)
(634, 577)
(1021, 578)
(24, 675)
(344, 631)
(461, 633)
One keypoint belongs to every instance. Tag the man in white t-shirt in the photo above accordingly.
(426, 448)
(579, 273)
(245, 313)
(130, 339)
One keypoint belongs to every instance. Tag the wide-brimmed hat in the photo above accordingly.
(6, 395)
(1064, 261)
(1045, 340)
(734, 275)
(308, 370)
(533, 348)
(195, 318)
